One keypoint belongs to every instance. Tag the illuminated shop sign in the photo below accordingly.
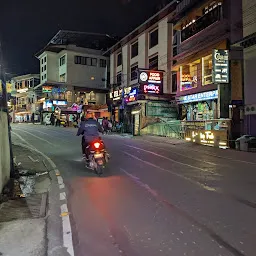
(151, 88)
(117, 94)
(210, 95)
(151, 82)
(188, 82)
(211, 138)
(47, 89)
(149, 76)
(47, 104)
(220, 66)
(132, 96)
(60, 102)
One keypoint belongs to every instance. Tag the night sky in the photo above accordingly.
(26, 26)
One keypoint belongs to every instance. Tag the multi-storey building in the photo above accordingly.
(73, 69)
(248, 43)
(23, 90)
(140, 73)
(207, 69)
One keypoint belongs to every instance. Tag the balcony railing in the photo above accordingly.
(201, 23)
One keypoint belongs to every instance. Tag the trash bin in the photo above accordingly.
(242, 143)
(237, 142)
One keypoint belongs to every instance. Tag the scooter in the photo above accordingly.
(98, 157)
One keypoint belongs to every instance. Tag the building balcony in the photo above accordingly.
(203, 33)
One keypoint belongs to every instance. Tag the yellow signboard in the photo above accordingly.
(215, 138)
(8, 87)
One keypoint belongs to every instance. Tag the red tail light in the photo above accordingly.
(96, 145)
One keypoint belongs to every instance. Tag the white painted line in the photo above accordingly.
(60, 180)
(174, 161)
(62, 186)
(208, 153)
(31, 134)
(62, 196)
(182, 154)
(33, 160)
(208, 188)
(67, 233)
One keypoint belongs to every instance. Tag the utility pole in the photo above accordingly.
(4, 107)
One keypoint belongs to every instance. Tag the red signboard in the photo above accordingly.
(151, 81)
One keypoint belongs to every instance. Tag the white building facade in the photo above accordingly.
(73, 69)
(23, 90)
(147, 48)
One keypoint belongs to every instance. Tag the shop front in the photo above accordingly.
(200, 119)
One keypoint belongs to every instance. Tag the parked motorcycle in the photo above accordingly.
(98, 157)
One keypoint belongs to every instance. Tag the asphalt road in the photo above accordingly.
(156, 198)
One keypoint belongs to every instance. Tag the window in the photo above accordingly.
(44, 76)
(78, 59)
(84, 61)
(63, 60)
(42, 61)
(45, 59)
(119, 59)
(103, 63)
(94, 62)
(153, 38)
(44, 67)
(207, 70)
(190, 75)
(153, 63)
(134, 72)
(119, 79)
(63, 78)
(134, 50)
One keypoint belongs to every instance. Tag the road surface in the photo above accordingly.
(156, 198)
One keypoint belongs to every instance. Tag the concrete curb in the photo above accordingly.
(58, 228)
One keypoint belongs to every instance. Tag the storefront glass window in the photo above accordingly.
(199, 111)
(190, 75)
(207, 69)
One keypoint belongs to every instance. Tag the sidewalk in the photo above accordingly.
(22, 214)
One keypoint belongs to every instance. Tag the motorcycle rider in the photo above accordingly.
(90, 129)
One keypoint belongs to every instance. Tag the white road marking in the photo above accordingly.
(67, 233)
(60, 180)
(61, 186)
(174, 173)
(31, 134)
(33, 160)
(189, 157)
(209, 154)
(62, 196)
(174, 161)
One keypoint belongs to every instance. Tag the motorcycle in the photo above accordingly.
(98, 157)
